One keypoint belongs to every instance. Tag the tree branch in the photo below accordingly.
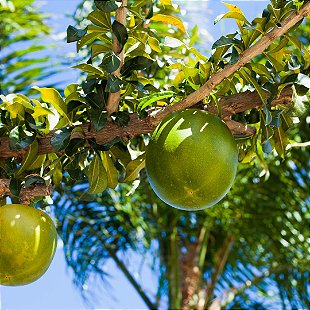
(114, 98)
(229, 105)
(137, 126)
(249, 100)
(26, 194)
(258, 48)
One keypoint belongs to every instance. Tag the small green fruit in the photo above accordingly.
(28, 240)
(191, 160)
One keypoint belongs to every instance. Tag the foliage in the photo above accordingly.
(267, 219)
(104, 205)
(22, 22)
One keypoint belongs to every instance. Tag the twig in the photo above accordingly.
(302, 144)
(26, 194)
(114, 98)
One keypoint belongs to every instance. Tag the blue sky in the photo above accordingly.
(55, 289)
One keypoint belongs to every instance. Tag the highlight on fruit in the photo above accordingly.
(191, 160)
(28, 244)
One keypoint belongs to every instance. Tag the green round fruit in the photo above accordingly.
(191, 160)
(28, 240)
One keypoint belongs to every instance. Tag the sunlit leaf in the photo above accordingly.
(133, 168)
(29, 158)
(53, 97)
(171, 20)
(149, 100)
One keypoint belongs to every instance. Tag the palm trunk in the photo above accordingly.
(187, 288)
(191, 277)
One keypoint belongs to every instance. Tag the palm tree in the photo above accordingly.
(23, 57)
(249, 251)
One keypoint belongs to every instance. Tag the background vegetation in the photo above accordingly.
(249, 251)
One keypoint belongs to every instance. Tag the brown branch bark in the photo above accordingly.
(114, 98)
(236, 103)
(191, 275)
(26, 194)
(230, 105)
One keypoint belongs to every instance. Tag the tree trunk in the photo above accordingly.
(191, 277)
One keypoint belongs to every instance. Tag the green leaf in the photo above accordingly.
(281, 141)
(120, 31)
(71, 88)
(20, 138)
(15, 186)
(114, 84)
(37, 163)
(96, 101)
(277, 65)
(268, 115)
(74, 34)
(112, 174)
(52, 96)
(106, 6)
(98, 118)
(165, 2)
(87, 39)
(29, 158)
(235, 15)
(138, 85)
(89, 69)
(154, 44)
(134, 167)
(57, 173)
(97, 49)
(97, 176)
(259, 69)
(223, 41)
(246, 75)
(120, 118)
(110, 62)
(149, 100)
(74, 167)
(61, 139)
(234, 56)
(89, 85)
(136, 63)
(239, 16)
(74, 145)
(101, 19)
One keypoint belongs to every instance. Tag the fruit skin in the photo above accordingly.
(191, 160)
(28, 240)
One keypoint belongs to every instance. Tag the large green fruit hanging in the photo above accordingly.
(191, 160)
(28, 240)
